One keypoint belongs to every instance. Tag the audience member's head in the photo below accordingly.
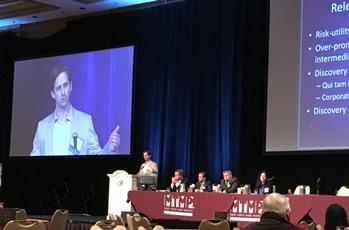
(335, 216)
(277, 203)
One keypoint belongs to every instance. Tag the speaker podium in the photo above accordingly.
(120, 182)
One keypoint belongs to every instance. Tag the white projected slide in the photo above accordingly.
(308, 86)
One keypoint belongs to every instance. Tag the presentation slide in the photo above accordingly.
(307, 103)
(324, 94)
(73, 105)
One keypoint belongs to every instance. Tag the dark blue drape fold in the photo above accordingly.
(193, 93)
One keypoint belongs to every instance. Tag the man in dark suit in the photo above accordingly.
(203, 185)
(229, 183)
(275, 214)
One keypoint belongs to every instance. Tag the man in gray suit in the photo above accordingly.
(68, 131)
(229, 183)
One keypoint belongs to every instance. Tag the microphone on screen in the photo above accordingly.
(75, 140)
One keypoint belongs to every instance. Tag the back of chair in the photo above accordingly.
(129, 221)
(96, 227)
(116, 218)
(120, 227)
(21, 214)
(342, 228)
(25, 225)
(59, 220)
(107, 225)
(308, 225)
(208, 225)
(138, 221)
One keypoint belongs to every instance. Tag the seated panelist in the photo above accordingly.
(229, 183)
(177, 182)
(203, 185)
(263, 184)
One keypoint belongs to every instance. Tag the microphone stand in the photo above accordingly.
(318, 186)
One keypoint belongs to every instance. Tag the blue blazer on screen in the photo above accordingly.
(81, 125)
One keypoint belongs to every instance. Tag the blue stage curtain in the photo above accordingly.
(190, 103)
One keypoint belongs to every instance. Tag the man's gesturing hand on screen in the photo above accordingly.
(114, 139)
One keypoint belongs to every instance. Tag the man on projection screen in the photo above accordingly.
(68, 131)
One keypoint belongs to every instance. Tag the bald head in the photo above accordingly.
(278, 203)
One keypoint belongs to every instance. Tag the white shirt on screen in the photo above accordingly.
(61, 137)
